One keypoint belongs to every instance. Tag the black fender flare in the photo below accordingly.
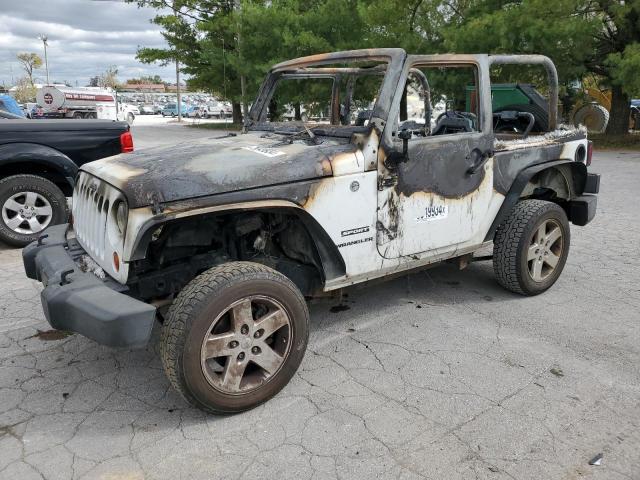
(333, 265)
(16, 153)
(579, 176)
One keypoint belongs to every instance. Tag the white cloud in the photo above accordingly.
(85, 38)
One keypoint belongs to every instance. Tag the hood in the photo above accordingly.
(213, 166)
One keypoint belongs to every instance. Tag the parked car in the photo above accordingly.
(171, 110)
(223, 239)
(38, 165)
(219, 109)
(9, 104)
(147, 109)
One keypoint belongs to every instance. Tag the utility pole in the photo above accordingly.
(44, 39)
(179, 100)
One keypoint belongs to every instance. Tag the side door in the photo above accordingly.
(439, 195)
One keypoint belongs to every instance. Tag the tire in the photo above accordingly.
(77, 115)
(520, 237)
(199, 311)
(45, 192)
(130, 118)
(593, 116)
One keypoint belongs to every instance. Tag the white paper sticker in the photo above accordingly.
(434, 212)
(266, 151)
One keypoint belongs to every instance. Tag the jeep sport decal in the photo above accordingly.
(354, 231)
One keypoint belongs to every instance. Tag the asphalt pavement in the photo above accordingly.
(439, 375)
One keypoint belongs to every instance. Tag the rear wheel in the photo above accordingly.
(531, 246)
(234, 337)
(29, 204)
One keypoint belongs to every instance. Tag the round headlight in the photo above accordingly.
(121, 217)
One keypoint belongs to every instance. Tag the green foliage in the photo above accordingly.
(625, 69)
(156, 79)
(218, 41)
(29, 63)
(25, 91)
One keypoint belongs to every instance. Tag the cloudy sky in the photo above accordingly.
(85, 38)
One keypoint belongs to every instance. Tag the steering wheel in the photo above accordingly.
(414, 127)
(459, 114)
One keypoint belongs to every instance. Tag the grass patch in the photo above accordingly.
(217, 126)
(615, 142)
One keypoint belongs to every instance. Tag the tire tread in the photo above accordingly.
(177, 323)
(508, 238)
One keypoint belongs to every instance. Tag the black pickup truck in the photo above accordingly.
(38, 165)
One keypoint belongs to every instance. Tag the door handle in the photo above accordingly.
(480, 158)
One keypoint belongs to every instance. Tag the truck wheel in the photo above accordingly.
(593, 116)
(29, 205)
(531, 247)
(78, 115)
(234, 337)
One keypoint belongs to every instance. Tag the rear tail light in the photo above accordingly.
(589, 152)
(126, 142)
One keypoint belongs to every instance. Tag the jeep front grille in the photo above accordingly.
(91, 204)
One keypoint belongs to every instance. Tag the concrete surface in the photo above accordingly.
(437, 375)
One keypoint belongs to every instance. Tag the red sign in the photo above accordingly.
(48, 98)
(88, 96)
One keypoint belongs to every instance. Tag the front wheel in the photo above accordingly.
(234, 337)
(29, 205)
(531, 246)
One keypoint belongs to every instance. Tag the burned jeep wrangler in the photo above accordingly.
(352, 166)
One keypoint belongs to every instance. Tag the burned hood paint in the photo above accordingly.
(213, 166)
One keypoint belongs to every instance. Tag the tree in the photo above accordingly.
(190, 28)
(217, 42)
(145, 79)
(599, 37)
(29, 62)
(109, 78)
(25, 91)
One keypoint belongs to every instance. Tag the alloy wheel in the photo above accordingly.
(27, 213)
(246, 345)
(545, 250)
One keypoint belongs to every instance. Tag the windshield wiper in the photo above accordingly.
(312, 136)
(293, 135)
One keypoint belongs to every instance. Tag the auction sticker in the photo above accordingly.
(434, 212)
(266, 151)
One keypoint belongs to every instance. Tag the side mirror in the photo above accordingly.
(396, 157)
(405, 135)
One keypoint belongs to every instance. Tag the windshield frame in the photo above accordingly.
(315, 66)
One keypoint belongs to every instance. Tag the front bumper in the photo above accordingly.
(81, 302)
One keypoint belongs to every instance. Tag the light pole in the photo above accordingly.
(179, 100)
(44, 39)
